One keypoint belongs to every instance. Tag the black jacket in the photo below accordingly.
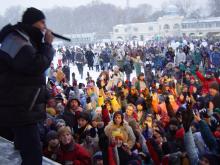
(23, 61)
(89, 57)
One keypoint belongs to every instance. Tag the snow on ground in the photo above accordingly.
(10, 156)
(93, 73)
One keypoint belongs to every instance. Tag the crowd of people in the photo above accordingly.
(167, 114)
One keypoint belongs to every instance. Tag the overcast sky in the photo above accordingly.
(42, 4)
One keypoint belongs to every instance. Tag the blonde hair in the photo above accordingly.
(64, 130)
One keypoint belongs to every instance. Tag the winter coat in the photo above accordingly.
(60, 76)
(66, 71)
(127, 67)
(205, 82)
(74, 154)
(159, 62)
(191, 147)
(138, 85)
(89, 57)
(180, 58)
(208, 136)
(105, 116)
(137, 66)
(81, 133)
(79, 58)
(50, 72)
(197, 57)
(170, 56)
(126, 130)
(215, 59)
(105, 56)
(23, 62)
(96, 59)
(70, 118)
(163, 114)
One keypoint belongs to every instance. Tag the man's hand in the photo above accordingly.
(48, 38)
(197, 117)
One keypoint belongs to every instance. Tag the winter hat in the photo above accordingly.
(98, 156)
(71, 95)
(97, 117)
(118, 135)
(133, 124)
(214, 85)
(59, 97)
(60, 123)
(51, 111)
(32, 15)
(51, 135)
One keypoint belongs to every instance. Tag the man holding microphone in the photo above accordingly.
(25, 54)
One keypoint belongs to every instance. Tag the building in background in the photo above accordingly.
(170, 25)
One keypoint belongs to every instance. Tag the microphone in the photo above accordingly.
(61, 37)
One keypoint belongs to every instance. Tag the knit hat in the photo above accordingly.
(98, 156)
(214, 85)
(59, 97)
(133, 124)
(32, 15)
(118, 135)
(60, 122)
(51, 135)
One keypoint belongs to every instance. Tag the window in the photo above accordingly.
(116, 30)
(151, 28)
(166, 27)
(176, 26)
(135, 29)
(184, 26)
(134, 38)
(126, 29)
(218, 24)
(142, 37)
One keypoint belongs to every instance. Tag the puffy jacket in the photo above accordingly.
(23, 62)
(75, 154)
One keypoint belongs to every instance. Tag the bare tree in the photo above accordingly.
(13, 14)
(214, 7)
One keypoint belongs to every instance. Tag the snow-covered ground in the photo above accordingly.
(93, 73)
(10, 156)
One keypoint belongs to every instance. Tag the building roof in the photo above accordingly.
(211, 19)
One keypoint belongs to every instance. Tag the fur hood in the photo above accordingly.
(125, 129)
